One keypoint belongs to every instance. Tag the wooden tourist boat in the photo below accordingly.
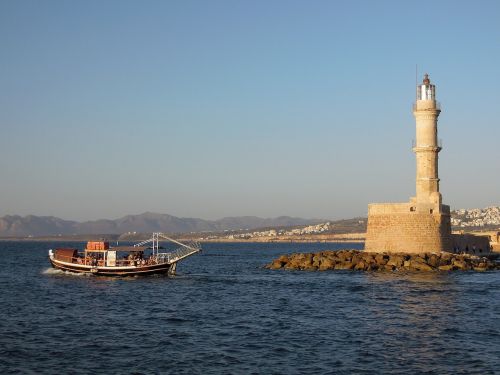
(98, 258)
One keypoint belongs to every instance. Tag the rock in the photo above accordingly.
(330, 254)
(283, 258)
(447, 267)
(310, 267)
(316, 260)
(433, 260)
(344, 256)
(406, 264)
(395, 260)
(276, 264)
(381, 259)
(356, 258)
(299, 261)
(389, 267)
(444, 261)
(372, 266)
(461, 265)
(343, 266)
(417, 265)
(368, 258)
(446, 256)
(418, 259)
(360, 266)
(327, 264)
(480, 269)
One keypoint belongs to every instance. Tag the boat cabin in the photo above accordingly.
(99, 253)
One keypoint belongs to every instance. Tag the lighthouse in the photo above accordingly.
(422, 224)
(426, 147)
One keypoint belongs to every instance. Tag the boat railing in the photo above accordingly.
(179, 253)
(82, 261)
(118, 263)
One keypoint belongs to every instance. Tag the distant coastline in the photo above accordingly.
(357, 237)
(321, 238)
(311, 238)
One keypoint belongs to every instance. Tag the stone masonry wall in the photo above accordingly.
(406, 231)
(471, 244)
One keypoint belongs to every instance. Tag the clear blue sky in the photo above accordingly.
(228, 108)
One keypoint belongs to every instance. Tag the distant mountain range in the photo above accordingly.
(16, 226)
(148, 222)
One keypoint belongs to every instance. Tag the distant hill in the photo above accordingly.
(15, 226)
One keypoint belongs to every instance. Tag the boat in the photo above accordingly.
(144, 258)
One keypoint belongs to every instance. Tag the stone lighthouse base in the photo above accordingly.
(403, 228)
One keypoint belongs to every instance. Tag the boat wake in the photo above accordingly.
(55, 271)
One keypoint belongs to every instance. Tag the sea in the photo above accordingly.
(223, 313)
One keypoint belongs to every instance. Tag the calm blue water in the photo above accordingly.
(224, 314)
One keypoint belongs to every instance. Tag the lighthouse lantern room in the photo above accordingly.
(426, 91)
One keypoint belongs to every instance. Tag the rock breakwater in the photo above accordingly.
(367, 261)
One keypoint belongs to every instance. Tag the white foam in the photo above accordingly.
(52, 271)
(55, 271)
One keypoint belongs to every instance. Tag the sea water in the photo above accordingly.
(225, 314)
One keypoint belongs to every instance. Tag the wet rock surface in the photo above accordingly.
(366, 261)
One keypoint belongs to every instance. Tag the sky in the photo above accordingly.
(229, 108)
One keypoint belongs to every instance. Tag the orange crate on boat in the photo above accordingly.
(97, 245)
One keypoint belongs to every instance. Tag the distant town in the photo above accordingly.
(270, 233)
(476, 218)
(310, 229)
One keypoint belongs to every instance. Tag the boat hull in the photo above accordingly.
(165, 268)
